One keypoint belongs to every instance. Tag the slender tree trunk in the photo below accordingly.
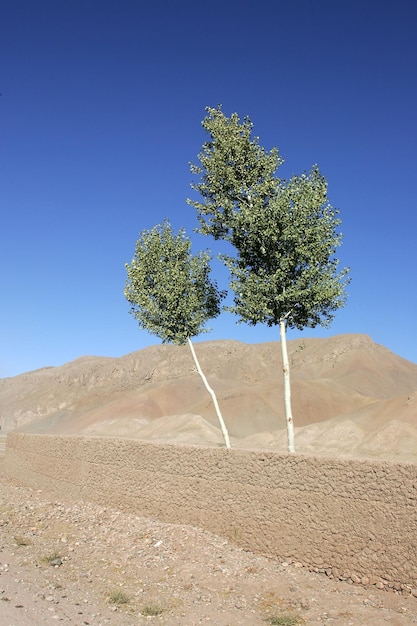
(213, 395)
(287, 386)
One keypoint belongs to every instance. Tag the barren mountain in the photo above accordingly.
(350, 397)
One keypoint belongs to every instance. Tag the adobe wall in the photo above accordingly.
(353, 519)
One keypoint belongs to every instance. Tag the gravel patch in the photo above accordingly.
(83, 564)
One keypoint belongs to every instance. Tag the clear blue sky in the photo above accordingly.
(100, 114)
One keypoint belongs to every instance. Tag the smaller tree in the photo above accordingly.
(171, 293)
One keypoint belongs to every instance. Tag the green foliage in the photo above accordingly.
(118, 598)
(284, 231)
(284, 620)
(152, 610)
(236, 174)
(170, 291)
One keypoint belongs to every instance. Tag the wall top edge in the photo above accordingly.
(13, 437)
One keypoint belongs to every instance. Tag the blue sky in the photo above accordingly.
(100, 115)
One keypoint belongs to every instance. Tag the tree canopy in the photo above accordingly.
(170, 291)
(284, 232)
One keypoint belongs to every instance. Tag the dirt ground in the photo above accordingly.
(83, 564)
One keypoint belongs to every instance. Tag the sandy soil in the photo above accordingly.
(64, 561)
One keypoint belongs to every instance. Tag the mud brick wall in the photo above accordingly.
(353, 519)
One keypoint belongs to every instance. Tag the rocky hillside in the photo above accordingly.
(344, 383)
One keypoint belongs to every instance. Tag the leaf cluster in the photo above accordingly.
(170, 290)
(235, 173)
(284, 232)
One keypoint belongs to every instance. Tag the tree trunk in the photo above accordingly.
(213, 395)
(287, 386)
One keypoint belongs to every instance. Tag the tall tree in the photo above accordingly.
(284, 233)
(171, 293)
